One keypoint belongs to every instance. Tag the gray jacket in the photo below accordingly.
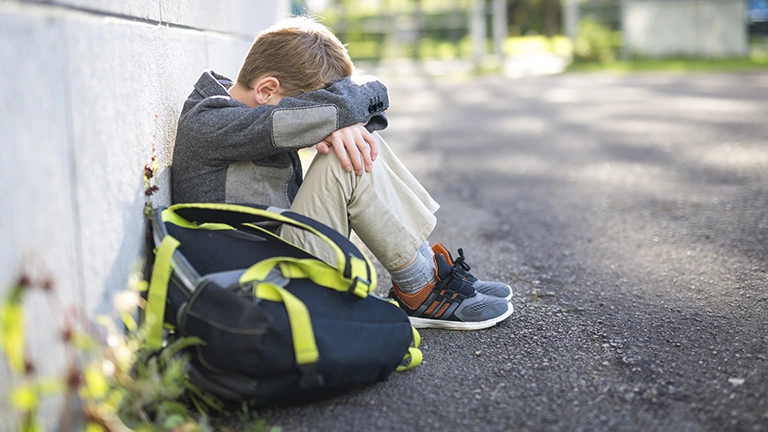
(226, 151)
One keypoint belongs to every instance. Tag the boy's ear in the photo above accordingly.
(266, 90)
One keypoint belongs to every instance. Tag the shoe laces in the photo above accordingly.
(461, 261)
(452, 277)
(461, 268)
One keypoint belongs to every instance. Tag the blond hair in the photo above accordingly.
(301, 53)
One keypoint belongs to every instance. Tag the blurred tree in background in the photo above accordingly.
(377, 29)
(487, 31)
(527, 17)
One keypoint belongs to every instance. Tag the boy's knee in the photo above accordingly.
(327, 163)
(330, 164)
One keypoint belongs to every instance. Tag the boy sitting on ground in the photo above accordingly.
(237, 142)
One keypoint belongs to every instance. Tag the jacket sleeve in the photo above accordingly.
(234, 132)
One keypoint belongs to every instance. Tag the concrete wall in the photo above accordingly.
(698, 28)
(91, 90)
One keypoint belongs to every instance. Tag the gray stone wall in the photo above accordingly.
(91, 90)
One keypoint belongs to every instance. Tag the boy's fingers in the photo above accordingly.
(354, 153)
(355, 147)
(365, 151)
(322, 147)
(341, 152)
(372, 143)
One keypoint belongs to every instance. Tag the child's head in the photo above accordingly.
(301, 53)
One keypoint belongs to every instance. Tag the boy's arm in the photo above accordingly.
(242, 133)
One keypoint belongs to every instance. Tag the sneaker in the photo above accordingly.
(494, 289)
(451, 303)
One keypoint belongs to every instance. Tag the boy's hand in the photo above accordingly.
(354, 146)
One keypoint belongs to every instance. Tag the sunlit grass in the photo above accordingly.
(675, 65)
(429, 48)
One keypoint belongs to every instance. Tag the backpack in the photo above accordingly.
(277, 324)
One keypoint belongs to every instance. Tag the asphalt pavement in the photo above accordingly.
(630, 216)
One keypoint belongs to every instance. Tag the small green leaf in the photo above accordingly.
(94, 427)
(130, 323)
(114, 399)
(174, 407)
(84, 341)
(142, 285)
(96, 385)
(179, 344)
(12, 331)
(25, 397)
(30, 423)
(173, 421)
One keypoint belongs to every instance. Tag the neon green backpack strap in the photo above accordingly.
(305, 268)
(352, 264)
(412, 359)
(414, 356)
(158, 289)
(303, 336)
(301, 325)
(304, 345)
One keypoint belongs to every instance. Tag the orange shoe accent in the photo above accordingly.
(438, 249)
(431, 307)
(414, 300)
(442, 310)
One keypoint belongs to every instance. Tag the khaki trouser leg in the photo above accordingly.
(388, 208)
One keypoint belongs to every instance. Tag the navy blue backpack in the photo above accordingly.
(277, 324)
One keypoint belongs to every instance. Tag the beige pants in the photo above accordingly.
(388, 208)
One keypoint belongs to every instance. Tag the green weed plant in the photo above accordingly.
(595, 43)
(111, 381)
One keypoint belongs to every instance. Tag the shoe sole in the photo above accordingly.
(460, 325)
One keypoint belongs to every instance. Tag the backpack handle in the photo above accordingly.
(352, 264)
(308, 268)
